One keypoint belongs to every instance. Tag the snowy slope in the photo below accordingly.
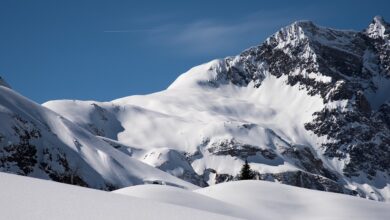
(278, 201)
(38, 142)
(49, 200)
(234, 200)
(308, 107)
(264, 200)
(197, 123)
(186, 198)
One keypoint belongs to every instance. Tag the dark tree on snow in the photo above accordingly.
(246, 173)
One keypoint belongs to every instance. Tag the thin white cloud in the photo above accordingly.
(150, 30)
(212, 37)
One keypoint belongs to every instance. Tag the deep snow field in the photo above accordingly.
(29, 198)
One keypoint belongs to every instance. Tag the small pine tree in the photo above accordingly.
(246, 173)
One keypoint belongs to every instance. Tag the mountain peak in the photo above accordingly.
(378, 28)
(304, 23)
(294, 33)
(301, 26)
(4, 83)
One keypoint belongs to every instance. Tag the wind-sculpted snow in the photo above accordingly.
(255, 200)
(264, 200)
(287, 202)
(34, 199)
(308, 107)
(187, 198)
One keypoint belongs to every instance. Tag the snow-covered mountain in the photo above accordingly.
(308, 107)
(38, 142)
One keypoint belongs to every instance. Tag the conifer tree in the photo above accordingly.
(246, 173)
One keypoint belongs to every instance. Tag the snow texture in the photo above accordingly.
(265, 200)
(29, 198)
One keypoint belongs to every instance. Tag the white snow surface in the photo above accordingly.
(186, 198)
(233, 200)
(278, 201)
(265, 200)
(34, 199)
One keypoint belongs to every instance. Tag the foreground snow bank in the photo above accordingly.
(265, 200)
(182, 197)
(280, 201)
(29, 198)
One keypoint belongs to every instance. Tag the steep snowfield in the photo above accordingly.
(28, 198)
(184, 119)
(264, 200)
(38, 142)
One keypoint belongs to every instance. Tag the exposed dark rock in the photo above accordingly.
(235, 149)
(306, 159)
(305, 180)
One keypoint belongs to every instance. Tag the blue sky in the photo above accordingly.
(107, 49)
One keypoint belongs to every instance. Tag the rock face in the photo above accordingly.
(344, 68)
(308, 107)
